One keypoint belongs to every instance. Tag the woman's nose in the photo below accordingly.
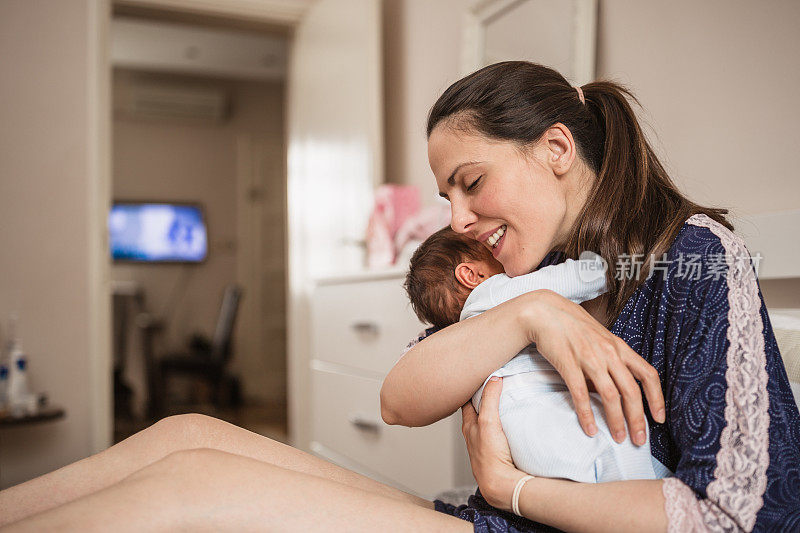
(462, 217)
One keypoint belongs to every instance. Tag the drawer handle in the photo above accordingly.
(364, 424)
(366, 328)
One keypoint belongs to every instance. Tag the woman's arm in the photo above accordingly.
(595, 507)
(439, 374)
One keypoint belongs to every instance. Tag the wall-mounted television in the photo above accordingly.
(157, 232)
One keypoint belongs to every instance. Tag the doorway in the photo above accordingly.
(198, 120)
(333, 147)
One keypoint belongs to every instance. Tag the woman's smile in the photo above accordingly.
(498, 246)
(492, 236)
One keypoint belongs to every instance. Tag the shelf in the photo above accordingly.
(46, 414)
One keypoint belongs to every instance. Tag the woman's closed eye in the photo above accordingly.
(472, 185)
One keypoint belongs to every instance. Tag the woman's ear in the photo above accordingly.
(469, 275)
(561, 151)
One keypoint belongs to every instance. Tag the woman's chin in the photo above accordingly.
(519, 268)
(514, 270)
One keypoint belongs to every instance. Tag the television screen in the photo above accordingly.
(157, 232)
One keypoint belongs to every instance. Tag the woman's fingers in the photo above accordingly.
(581, 349)
(631, 401)
(612, 403)
(490, 400)
(468, 416)
(651, 383)
(576, 383)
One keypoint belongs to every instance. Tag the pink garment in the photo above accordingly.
(422, 225)
(393, 205)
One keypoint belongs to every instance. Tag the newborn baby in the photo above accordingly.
(453, 277)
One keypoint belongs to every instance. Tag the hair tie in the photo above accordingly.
(580, 95)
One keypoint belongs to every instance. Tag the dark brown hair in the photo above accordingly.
(633, 207)
(436, 295)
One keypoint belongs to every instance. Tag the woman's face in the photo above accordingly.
(513, 203)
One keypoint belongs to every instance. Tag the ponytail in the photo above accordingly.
(634, 209)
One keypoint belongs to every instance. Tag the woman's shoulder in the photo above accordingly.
(707, 250)
(706, 265)
(703, 235)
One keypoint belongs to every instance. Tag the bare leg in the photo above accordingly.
(210, 490)
(181, 432)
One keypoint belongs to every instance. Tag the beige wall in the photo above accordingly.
(49, 241)
(715, 79)
(422, 58)
(169, 160)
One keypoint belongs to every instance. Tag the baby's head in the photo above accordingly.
(444, 270)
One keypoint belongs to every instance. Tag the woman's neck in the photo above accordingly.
(580, 181)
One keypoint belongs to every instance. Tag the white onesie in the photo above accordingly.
(536, 408)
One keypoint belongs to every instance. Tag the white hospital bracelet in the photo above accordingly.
(515, 496)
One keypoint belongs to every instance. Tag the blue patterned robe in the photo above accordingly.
(732, 434)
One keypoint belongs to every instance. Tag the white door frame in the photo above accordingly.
(101, 421)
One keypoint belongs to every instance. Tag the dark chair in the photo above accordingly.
(203, 364)
(128, 299)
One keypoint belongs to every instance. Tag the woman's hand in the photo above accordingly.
(581, 349)
(489, 454)
(635, 505)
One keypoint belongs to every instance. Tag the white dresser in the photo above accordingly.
(360, 325)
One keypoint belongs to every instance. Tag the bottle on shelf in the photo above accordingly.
(18, 397)
(4, 379)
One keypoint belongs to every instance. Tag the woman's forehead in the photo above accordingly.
(449, 148)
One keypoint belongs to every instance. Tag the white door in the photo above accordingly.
(334, 160)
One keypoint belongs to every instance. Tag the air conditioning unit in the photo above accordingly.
(172, 102)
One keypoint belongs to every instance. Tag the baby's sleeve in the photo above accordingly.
(579, 281)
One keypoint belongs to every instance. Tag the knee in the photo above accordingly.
(193, 459)
(182, 464)
(184, 431)
(180, 478)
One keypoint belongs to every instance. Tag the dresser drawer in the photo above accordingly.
(347, 421)
(363, 324)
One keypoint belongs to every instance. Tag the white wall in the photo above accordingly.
(50, 256)
(716, 79)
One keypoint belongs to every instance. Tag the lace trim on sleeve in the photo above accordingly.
(740, 477)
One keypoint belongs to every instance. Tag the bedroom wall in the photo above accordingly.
(52, 268)
(715, 79)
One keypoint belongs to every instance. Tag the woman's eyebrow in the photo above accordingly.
(452, 179)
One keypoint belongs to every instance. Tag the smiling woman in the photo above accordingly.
(539, 171)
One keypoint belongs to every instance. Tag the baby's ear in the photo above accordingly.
(468, 275)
